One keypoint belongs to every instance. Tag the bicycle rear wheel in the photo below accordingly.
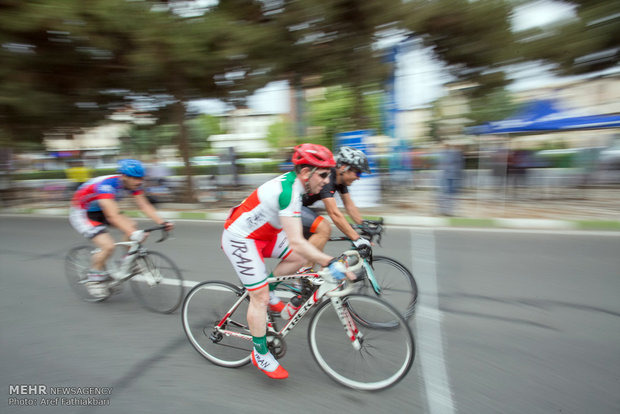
(397, 286)
(387, 350)
(158, 284)
(77, 264)
(204, 307)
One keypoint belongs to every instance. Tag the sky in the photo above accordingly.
(419, 77)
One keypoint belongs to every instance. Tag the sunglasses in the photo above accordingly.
(358, 173)
(324, 175)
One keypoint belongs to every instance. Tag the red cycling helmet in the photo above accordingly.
(313, 154)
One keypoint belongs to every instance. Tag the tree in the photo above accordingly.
(493, 106)
(53, 68)
(183, 58)
(588, 43)
(334, 113)
(322, 43)
(69, 63)
(474, 39)
(279, 135)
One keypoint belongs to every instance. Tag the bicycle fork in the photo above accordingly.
(370, 275)
(350, 327)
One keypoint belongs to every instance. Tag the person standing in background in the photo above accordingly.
(451, 166)
(77, 173)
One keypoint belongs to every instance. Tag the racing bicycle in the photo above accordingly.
(359, 341)
(155, 279)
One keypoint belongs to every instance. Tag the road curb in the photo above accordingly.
(401, 220)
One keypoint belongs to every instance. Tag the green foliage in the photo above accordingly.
(335, 113)
(146, 140)
(67, 64)
(559, 160)
(588, 43)
(280, 135)
(493, 106)
(255, 168)
(333, 43)
(473, 38)
(40, 175)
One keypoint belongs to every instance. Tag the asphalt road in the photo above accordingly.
(508, 322)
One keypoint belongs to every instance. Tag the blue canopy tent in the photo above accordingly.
(545, 116)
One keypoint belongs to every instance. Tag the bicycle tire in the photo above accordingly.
(386, 354)
(204, 306)
(158, 285)
(77, 265)
(397, 284)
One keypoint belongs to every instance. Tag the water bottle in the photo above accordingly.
(291, 307)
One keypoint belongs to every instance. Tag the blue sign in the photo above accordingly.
(366, 191)
(357, 140)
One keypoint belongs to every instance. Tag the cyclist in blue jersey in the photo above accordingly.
(95, 206)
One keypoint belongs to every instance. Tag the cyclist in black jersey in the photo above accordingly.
(350, 164)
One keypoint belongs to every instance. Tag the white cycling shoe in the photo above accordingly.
(98, 290)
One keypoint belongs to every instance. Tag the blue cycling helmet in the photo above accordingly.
(132, 168)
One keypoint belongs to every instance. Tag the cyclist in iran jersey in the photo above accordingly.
(258, 217)
(263, 226)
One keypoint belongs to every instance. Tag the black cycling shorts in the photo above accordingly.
(310, 221)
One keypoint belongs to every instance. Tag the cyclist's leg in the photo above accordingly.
(257, 311)
(93, 227)
(290, 261)
(321, 234)
(96, 231)
(257, 322)
(316, 229)
(247, 258)
(105, 243)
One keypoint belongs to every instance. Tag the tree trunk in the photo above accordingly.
(297, 111)
(359, 110)
(183, 142)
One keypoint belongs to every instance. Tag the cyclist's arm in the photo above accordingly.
(351, 208)
(147, 208)
(293, 228)
(339, 219)
(113, 215)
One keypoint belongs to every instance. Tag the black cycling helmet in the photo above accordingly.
(354, 158)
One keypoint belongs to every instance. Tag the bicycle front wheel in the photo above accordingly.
(204, 307)
(158, 283)
(386, 350)
(77, 264)
(394, 283)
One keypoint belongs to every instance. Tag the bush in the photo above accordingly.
(253, 168)
(40, 175)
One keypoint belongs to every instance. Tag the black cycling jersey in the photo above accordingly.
(327, 192)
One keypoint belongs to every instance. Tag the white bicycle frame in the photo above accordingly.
(327, 288)
(124, 271)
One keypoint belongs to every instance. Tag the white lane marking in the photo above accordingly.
(191, 283)
(166, 281)
(428, 325)
(608, 233)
